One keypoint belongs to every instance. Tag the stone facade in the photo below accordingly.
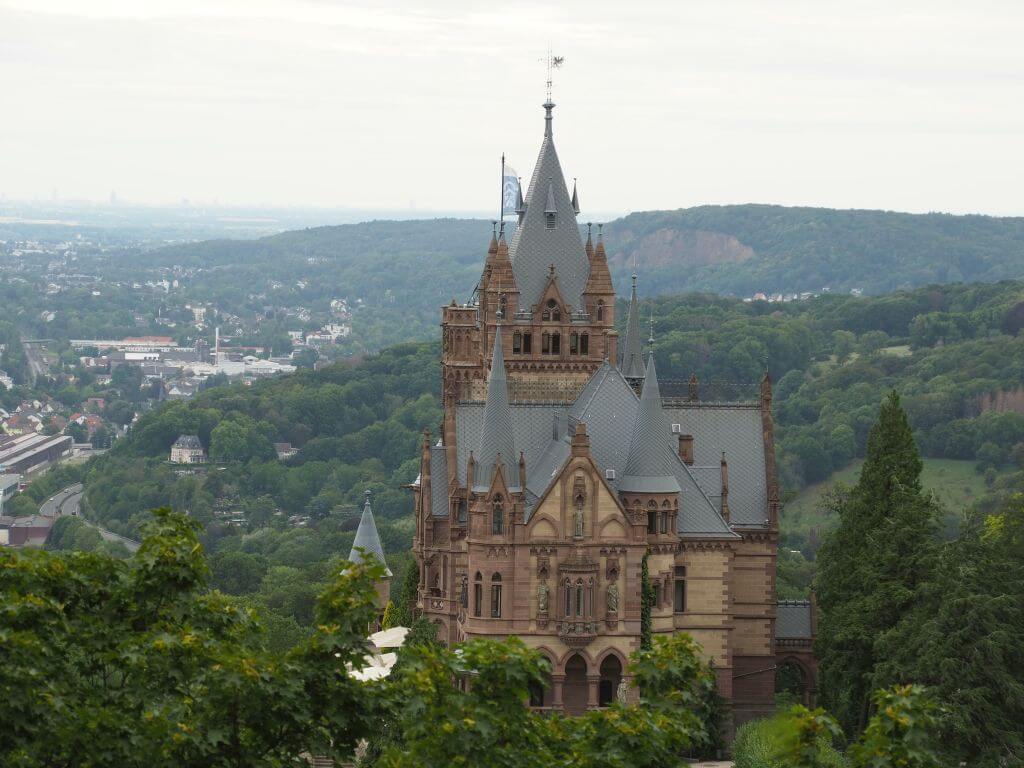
(552, 479)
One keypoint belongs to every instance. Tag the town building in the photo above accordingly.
(32, 451)
(188, 449)
(563, 462)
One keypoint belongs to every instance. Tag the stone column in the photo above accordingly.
(593, 681)
(556, 691)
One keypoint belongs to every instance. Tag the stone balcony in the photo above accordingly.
(576, 633)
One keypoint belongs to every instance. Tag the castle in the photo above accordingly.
(561, 464)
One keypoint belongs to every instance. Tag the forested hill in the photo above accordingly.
(397, 273)
(743, 249)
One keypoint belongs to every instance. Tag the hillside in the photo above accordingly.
(402, 271)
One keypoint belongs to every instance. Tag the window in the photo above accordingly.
(585, 344)
(551, 312)
(545, 343)
(536, 694)
(478, 594)
(496, 596)
(550, 220)
(664, 521)
(579, 597)
(568, 598)
(680, 602)
(574, 343)
(517, 343)
(502, 306)
(556, 343)
(498, 518)
(462, 510)
(600, 311)
(657, 594)
(464, 592)
(527, 338)
(652, 521)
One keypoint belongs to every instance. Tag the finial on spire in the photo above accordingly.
(553, 62)
(650, 339)
(367, 493)
(575, 198)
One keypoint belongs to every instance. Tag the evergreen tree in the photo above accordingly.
(389, 616)
(646, 601)
(404, 608)
(873, 567)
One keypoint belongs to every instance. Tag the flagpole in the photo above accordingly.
(501, 190)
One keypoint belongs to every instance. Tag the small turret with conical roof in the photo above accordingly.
(496, 443)
(632, 362)
(367, 541)
(649, 461)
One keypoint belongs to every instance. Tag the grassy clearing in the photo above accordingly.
(900, 350)
(954, 482)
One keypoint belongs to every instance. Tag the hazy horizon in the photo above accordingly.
(318, 104)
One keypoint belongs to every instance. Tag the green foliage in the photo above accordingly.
(388, 621)
(407, 595)
(143, 666)
(902, 732)
(874, 566)
(646, 603)
(805, 738)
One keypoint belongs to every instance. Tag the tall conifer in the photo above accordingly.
(873, 565)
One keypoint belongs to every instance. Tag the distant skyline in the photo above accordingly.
(911, 106)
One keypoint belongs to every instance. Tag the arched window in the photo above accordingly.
(552, 312)
(579, 597)
(550, 220)
(462, 511)
(517, 343)
(556, 343)
(478, 594)
(498, 518)
(574, 343)
(664, 521)
(657, 594)
(496, 596)
(568, 598)
(600, 310)
(585, 344)
(527, 343)
(652, 521)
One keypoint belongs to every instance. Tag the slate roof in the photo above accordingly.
(438, 481)
(496, 440)
(792, 617)
(188, 441)
(609, 407)
(737, 430)
(631, 359)
(647, 467)
(367, 539)
(534, 247)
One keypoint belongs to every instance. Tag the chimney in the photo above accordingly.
(686, 449)
(580, 441)
(522, 471)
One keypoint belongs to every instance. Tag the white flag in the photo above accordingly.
(509, 191)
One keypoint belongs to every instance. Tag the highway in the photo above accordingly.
(68, 502)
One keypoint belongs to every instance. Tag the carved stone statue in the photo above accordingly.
(542, 597)
(577, 517)
(612, 598)
(622, 691)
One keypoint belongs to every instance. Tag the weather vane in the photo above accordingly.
(553, 62)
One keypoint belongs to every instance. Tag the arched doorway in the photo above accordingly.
(611, 676)
(574, 689)
(791, 684)
(541, 694)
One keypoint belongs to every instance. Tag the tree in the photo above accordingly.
(843, 343)
(388, 621)
(143, 666)
(872, 568)
(405, 599)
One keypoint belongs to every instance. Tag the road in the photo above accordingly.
(68, 502)
(36, 363)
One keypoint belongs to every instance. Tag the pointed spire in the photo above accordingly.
(521, 205)
(548, 118)
(648, 469)
(550, 207)
(367, 539)
(493, 247)
(496, 435)
(589, 247)
(575, 198)
(632, 364)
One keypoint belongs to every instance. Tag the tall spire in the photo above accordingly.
(648, 469)
(367, 539)
(632, 363)
(496, 434)
(575, 199)
(548, 119)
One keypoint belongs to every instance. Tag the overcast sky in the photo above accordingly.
(904, 105)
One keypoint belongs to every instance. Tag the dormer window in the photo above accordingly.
(552, 312)
(550, 220)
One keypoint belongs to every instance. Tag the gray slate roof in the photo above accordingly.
(367, 539)
(438, 481)
(631, 358)
(648, 468)
(534, 247)
(737, 430)
(188, 441)
(496, 439)
(792, 618)
(608, 406)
